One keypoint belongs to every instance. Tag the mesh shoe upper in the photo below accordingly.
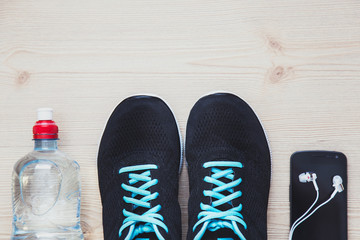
(138, 165)
(223, 128)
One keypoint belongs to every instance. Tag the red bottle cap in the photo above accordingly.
(45, 127)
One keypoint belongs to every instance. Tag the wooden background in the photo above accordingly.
(297, 63)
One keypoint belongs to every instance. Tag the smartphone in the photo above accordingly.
(330, 221)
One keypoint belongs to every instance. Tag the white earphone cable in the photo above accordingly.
(317, 208)
(295, 224)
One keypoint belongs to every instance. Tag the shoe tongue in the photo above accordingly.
(138, 209)
(146, 236)
(143, 231)
(220, 234)
(228, 205)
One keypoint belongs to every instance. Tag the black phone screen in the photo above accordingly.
(330, 221)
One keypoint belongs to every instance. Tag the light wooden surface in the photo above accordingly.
(297, 63)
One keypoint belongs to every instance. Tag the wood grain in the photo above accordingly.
(296, 62)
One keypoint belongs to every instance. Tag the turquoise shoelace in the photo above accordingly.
(149, 221)
(222, 193)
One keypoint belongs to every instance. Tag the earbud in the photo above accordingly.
(337, 184)
(309, 177)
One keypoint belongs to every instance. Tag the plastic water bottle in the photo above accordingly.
(46, 188)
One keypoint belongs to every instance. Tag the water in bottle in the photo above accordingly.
(46, 188)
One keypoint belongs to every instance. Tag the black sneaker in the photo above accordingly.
(229, 169)
(138, 166)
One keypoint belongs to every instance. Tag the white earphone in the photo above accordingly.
(307, 177)
(311, 177)
(338, 184)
